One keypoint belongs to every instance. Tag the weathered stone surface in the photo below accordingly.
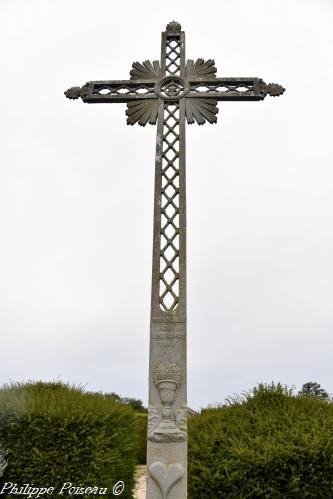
(168, 93)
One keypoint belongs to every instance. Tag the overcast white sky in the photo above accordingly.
(76, 198)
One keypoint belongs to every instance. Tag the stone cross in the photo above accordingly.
(170, 92)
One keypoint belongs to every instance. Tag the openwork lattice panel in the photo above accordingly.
(172, 56)
(169, 247)
(222, 87)
(123, 89)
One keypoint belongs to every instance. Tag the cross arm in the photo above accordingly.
(113, 91)
(233, 89)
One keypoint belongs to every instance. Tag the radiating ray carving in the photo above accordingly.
(145, 71)
(142, 112)
(201, 110)
(201, 68)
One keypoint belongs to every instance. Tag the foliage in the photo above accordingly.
(268, 443)
(55, 433)
(112, 395)
(136, 404)
(142, 421)
(313, 389)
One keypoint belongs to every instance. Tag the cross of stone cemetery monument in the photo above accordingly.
(168, 93)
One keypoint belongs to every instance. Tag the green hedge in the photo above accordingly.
(142, 420)
(54, 433)
(269, 445)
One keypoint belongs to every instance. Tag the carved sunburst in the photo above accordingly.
(201, 110)
(201, 68)
(198, 110)
(145, 71)
(142, 112)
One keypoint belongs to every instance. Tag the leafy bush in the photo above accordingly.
(142, 431)
(312, 389)
(136, 404)
(266, 444)
(54, 433)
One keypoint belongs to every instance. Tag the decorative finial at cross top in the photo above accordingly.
(173, 27)
(195, 82)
